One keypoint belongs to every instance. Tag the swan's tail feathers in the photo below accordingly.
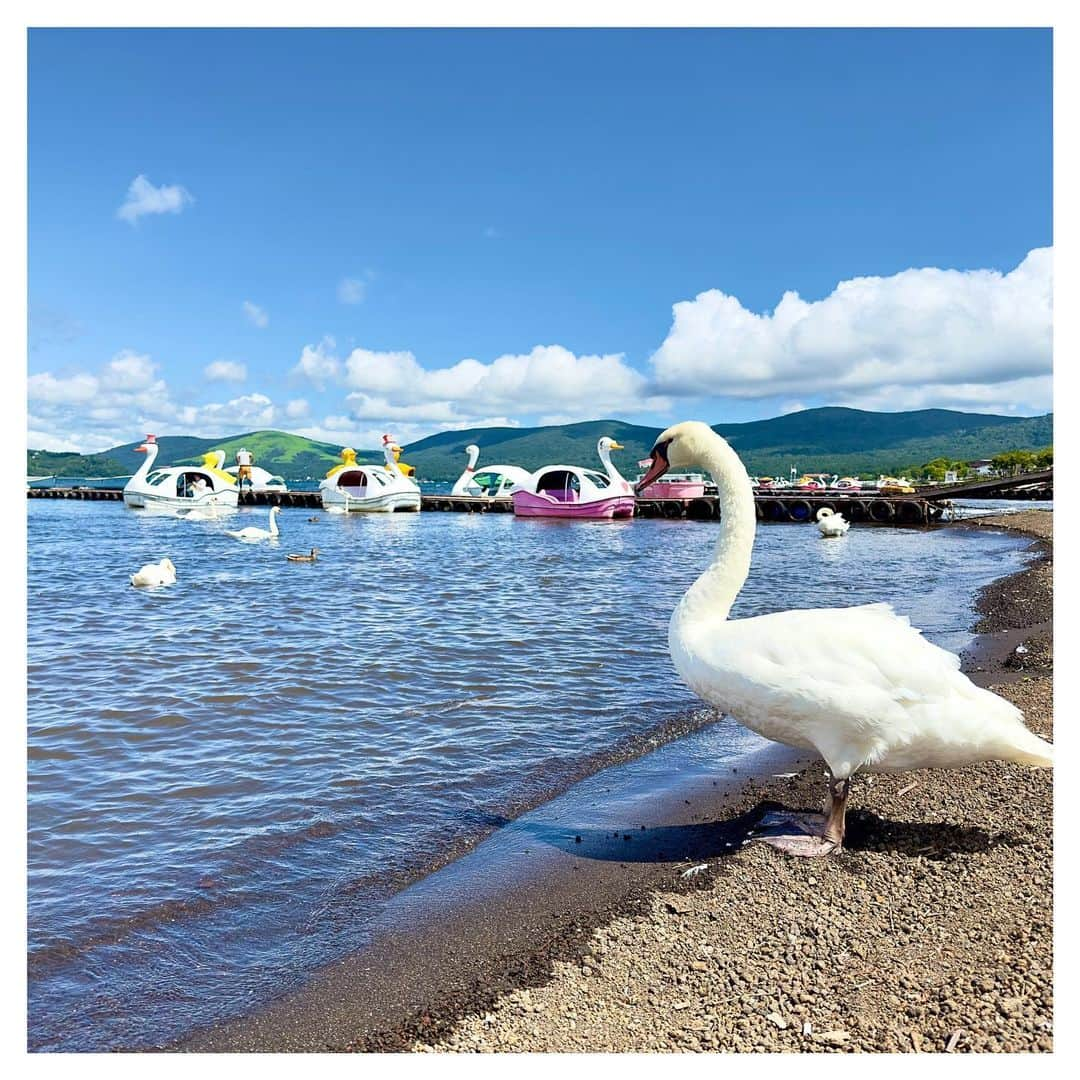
(1028, 749)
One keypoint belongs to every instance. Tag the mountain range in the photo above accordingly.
(830, 439)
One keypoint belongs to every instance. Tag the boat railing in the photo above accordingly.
(77, 481)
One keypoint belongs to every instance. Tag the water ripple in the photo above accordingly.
(228, 777)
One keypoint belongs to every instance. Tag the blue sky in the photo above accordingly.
(342, 232)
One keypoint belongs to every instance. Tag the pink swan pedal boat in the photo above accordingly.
(673, 485)
(568, 491)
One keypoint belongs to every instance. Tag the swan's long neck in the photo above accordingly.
(474, 457)
(273, 522)
(605, 459)
(711, 596)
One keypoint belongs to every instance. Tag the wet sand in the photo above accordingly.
(931, 932)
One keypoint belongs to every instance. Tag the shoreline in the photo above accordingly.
(592, 948)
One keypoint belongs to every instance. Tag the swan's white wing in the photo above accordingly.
(861, 685)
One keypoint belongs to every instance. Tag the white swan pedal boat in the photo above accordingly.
(490, 482)
(179, 487)
(354, 488)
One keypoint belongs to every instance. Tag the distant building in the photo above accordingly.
(982, 467)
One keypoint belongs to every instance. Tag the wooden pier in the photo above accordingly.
(866, 507)
(796, 507)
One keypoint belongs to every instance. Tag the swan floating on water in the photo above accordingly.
(159, 573)
(252, 534)
(859, 685)
(830, 523)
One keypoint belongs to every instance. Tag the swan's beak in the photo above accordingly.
(657, 469)
(617, 446)
(142, 450)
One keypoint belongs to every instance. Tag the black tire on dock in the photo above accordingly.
(673, 508)
(700, 510)
(910, 513)
(881, 511)
(855, 510)
(774, 510)
(799, 510)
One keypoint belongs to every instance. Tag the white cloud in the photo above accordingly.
(339, 430)
(924, 329)
(351, 290)
(225, 371)
(37, 439)
(1017, 396)
(317, 363)
(256, 315)
(297, 408)
(549, 378)
(248, 411)
(129, 370)
(125, 398)
(143, 198)
(46, 387)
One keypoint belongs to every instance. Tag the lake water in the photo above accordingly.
(228, 777)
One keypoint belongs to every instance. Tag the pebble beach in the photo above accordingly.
(932, 932)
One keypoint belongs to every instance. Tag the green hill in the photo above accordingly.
(855, 441)
(826, 440)
(52, 463)
(291, 456)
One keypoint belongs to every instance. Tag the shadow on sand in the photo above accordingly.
(717, 839)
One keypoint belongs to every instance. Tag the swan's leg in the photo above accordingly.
(834, 820)
(811, 834)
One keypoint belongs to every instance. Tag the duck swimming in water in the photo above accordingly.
(304, 558)
(858, 685)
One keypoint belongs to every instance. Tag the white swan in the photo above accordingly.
(159, 573)
(860, 685)
(830, 523)
(251, 534)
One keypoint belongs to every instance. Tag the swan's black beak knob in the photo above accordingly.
(657, 469)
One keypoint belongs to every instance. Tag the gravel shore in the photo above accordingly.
(931, 932)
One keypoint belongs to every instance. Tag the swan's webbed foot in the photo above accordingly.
(795, 833)
(809, 835)
(803, 846)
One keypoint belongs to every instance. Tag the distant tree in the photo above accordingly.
(1045, 458)
(1013, 462)
(936, 469)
